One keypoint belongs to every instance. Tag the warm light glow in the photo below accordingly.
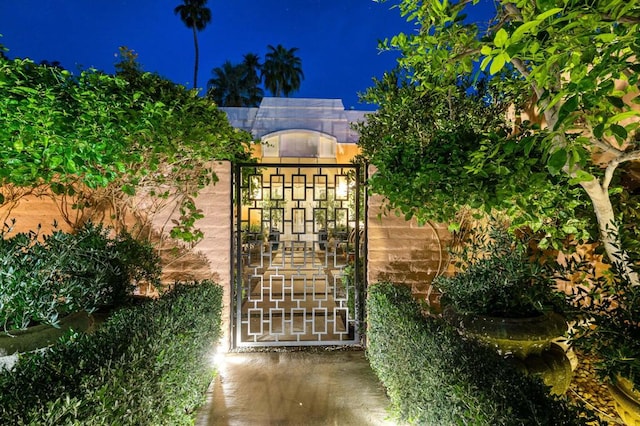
(217, 357)
(342, 190)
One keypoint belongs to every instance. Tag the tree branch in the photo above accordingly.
(513, 11)
(522, 69)
(464, 53)
(613, 165)
(606, 147)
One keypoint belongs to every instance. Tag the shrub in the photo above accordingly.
(434, 376)
(44, 278)
(498, 278)
(147, 365)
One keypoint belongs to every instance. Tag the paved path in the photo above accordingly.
(295, 388)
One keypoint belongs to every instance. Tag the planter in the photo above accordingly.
(627, 401)
(519, 337)
(552, 365)
(40, 336)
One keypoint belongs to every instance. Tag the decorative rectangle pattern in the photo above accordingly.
(291, 248)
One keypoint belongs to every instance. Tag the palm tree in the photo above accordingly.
(196, 16)
(282, 70)
(252, 79)
(225, 87)
(236, 85)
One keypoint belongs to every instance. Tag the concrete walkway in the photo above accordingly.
(310, 388)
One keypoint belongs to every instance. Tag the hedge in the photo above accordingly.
(146, 365)
(434, 376)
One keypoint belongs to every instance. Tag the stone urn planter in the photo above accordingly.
(552, 365)
(40, 336)
(627, 401)
(526, 342)
(519, 337)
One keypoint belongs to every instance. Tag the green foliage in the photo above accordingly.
(125, 134)
(498, 277)
(434, 376)
(43, 278)
(607, 314)
(438, 153)
(577, 63)
(147, 365)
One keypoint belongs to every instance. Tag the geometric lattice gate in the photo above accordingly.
(298, 255)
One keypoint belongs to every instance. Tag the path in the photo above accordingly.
(310, 388)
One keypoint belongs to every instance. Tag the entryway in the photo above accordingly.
(298, 248)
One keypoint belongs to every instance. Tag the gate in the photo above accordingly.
(297, 255)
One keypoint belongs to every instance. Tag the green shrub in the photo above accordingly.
(147, 365)
(498, 278)
(434, 376)
(43, 278)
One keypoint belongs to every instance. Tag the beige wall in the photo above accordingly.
(33, 210)
(403, 252)
(210, 258)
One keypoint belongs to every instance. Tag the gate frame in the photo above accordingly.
(360, 261)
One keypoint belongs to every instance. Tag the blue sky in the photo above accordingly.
(337, 40)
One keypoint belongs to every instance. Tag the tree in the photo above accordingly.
(236, 85)
(226, 85)
(252, 69)
(423, 143)
(196, 16)
(578, 61)
(117, 135)
(282, 70)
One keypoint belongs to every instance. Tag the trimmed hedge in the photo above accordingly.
(147, 365)
(434, 376)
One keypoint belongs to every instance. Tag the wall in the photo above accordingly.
(401, 251)
(210, 258)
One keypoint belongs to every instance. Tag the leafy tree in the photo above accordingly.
(577, 61)
(236, 85)
(423, 143)
(113, 136)
(196, 16)
(282, 70)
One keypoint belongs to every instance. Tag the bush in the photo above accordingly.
(147, 365)
(498, 278)
(434, 376)
(45, 278)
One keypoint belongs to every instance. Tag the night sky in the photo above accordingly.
(337, 40)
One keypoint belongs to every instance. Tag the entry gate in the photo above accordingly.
(298, 255)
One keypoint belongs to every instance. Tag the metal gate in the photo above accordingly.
(298, 255)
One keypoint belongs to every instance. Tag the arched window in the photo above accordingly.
(299, 144)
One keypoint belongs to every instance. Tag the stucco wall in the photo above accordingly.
(399, 251)
(403, 252)
(210, 258)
